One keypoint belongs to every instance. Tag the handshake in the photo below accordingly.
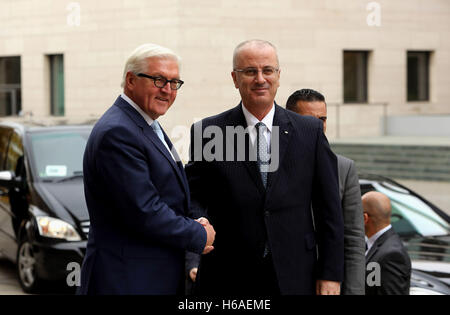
(211, 234)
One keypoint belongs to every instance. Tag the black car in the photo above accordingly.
(425, 231)
(44, 221)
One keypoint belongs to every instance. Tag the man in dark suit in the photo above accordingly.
(312, 103)
(385, 251)
(259, 198)
(136, 189)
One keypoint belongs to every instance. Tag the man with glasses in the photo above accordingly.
(259, 201)
(136, 189)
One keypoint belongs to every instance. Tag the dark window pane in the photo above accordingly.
(10, 89)
(59, 154)
(355, 76)
(15, 151)
(418, 76)
(5, 134)
(57, 84)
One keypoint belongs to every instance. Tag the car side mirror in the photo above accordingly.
(7, 179)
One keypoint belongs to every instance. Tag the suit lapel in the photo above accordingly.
(153, 137)
(378, 243)
(180, 168)
(280, 120)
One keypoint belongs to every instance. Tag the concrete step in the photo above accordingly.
(419, 162)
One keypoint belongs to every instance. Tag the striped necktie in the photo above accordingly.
(263, 156)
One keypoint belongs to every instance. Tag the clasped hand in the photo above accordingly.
(211, 234)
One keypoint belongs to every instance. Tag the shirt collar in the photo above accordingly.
(139, 110)
(376, 236)
(252, 120)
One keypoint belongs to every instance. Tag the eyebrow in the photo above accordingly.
(163, 76)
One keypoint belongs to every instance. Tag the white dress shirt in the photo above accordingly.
(252, 121)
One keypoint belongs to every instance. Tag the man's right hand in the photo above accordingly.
(193, 274)
(211, 234)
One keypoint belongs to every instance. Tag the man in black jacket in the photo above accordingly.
(385, 253)
(260, 204)
(308, 102)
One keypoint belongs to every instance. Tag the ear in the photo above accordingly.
(233, 75)
(366, 218)
(279, 75)
(130, 80)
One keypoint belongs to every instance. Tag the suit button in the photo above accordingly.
(266, 213)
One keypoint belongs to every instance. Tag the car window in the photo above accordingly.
(15, 151)
(5, 133)
(410, 215)
(58, 154)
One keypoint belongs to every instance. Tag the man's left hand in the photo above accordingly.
(325, 287)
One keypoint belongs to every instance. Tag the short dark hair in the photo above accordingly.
(306, 95)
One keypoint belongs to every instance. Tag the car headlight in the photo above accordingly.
(423, 291)
(55, 228)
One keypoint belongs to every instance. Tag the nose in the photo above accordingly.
(166, 88)
(260, 78)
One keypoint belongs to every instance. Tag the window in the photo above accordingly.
(355, 76)
(56, 85)
(15, 152)
(10, 91)
(418, 76)
(5, 134)
(58, 153)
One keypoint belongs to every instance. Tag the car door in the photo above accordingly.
(5, 212)
(14, 201)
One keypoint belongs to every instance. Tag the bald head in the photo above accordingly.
(377, 206)
(250, 44)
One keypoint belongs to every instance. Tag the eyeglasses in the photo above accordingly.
(253, 72)
(161, 82)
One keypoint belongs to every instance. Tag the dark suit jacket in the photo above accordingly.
(354, 259)
(395, 265)
(245, 215)
(137, 197)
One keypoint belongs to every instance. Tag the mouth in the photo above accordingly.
(260, 89)
(162, 99)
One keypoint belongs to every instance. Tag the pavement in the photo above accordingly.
(9, 285)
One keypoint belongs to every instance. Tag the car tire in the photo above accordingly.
(26, 267)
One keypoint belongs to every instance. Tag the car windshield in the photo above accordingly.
(410, 215)
(59, 154)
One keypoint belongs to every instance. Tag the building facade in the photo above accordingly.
(373, 60)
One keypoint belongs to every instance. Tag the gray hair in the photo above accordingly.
(137, 61)
(257, 42)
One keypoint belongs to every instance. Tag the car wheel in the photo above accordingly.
(26, 267)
